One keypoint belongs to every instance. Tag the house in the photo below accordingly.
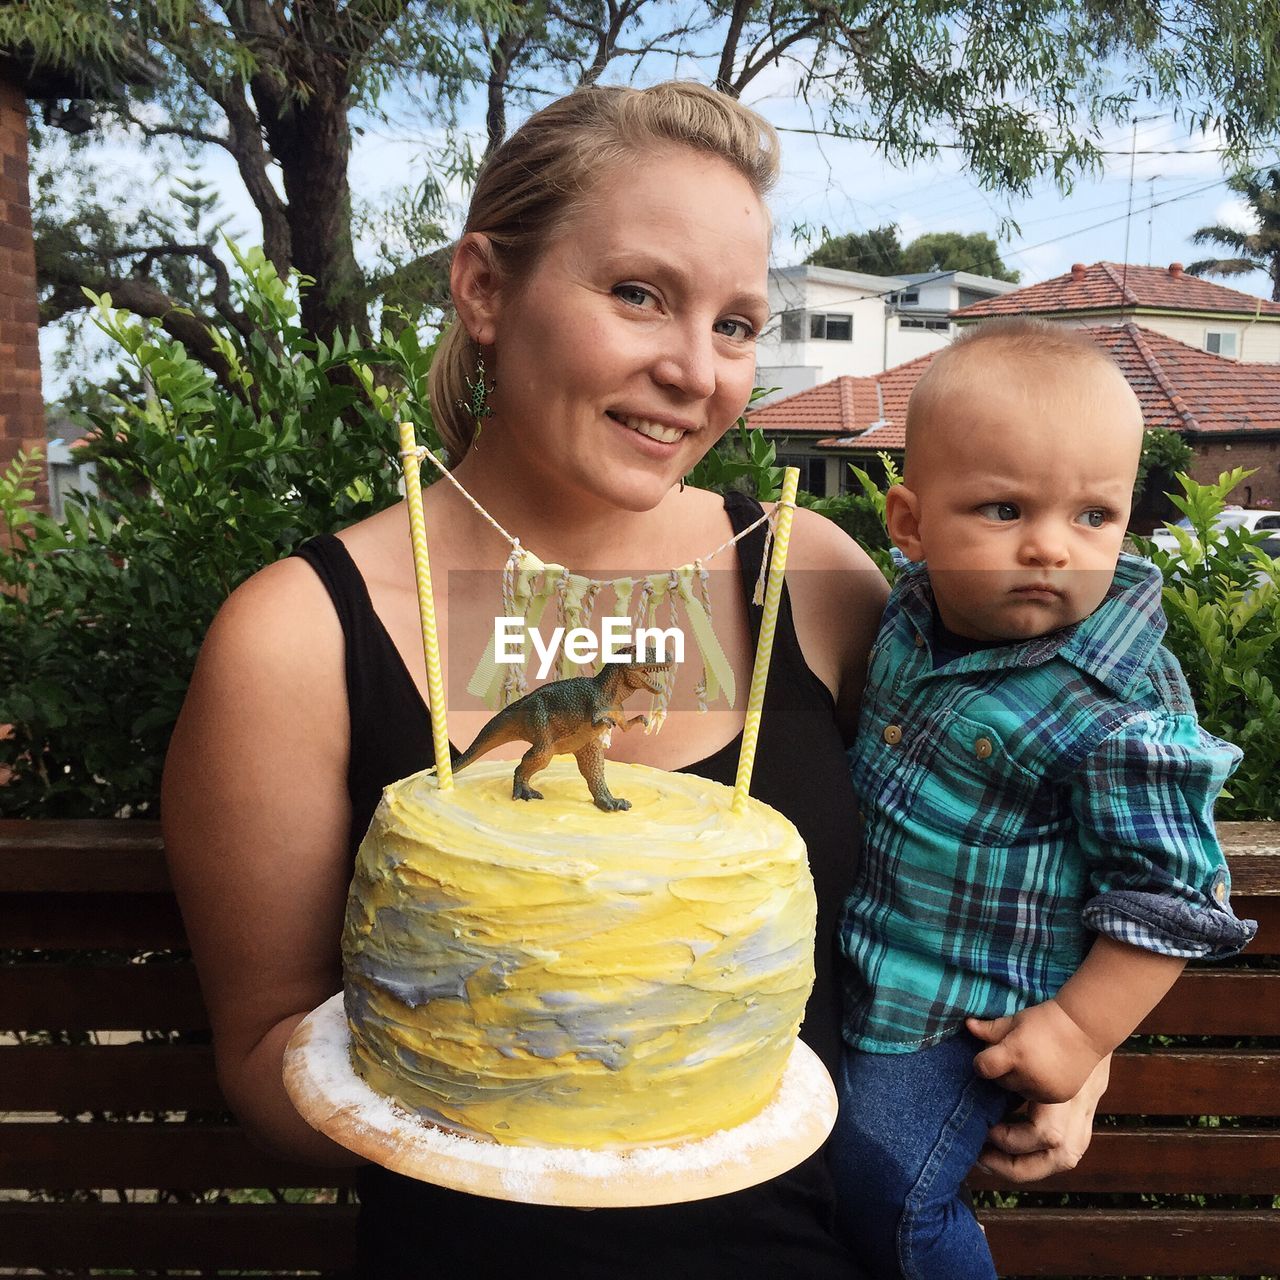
(1227, 410)
(830, 323)
(1197, 312)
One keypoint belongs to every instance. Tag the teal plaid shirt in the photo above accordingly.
(1015, 802)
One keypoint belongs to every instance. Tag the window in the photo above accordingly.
(830, 328)
(813, 471)
(793, 326)
(964, 297)
(1221, 342)
(906, 299)
(915, 322)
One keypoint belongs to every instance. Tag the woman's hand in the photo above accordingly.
(1045, 1137)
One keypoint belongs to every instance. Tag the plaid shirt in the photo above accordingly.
(1018, 800)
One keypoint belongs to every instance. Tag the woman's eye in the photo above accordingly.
(734, 327)
(634, 295)
(1095, 517)
(1001, 511)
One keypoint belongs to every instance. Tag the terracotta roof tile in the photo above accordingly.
(1110, 286)
(843, 405)
(1179, 387)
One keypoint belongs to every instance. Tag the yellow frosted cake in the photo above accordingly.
(545, 974)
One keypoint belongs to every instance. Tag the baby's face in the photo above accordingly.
(1024, 495)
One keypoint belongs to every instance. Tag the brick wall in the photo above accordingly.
(1217, 456)
(21, 403)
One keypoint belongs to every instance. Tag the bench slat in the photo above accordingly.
(1141, 1242)
(1231, 1082)
(313, 1236)
(120, 997)
(86, 855)
(87, 921)
(1203, 1161)
(175, 1157)
(1266, 911)
(127, 1077)
(1226, 1003)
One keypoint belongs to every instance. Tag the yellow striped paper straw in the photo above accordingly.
(764, 646)
(426, 606)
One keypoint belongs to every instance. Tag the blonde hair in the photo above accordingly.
(1019, 340)
(542, 174)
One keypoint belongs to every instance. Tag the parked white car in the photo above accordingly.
(1251, 518)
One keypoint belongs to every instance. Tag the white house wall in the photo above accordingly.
(864, 354)
(1257, 342)
(907, 344)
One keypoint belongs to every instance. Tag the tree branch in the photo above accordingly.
(244, 142)
(729, 50)
(177, 131)
(143, 298)
(749, 72)
(372, 19)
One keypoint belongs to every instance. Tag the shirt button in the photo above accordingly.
(893, 734)
(919, 641)
(1220, 891)
(982, 748)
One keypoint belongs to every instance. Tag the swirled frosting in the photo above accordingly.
(547, 974)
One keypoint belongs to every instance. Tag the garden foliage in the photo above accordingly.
(1222, 600)
(200, 484)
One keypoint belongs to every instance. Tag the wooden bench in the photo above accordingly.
(121, 1155)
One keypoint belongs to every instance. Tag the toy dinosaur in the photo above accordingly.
(569, 717)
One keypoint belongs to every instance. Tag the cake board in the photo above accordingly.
(333, 1099)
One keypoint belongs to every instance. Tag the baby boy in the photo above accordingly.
(1039, 855)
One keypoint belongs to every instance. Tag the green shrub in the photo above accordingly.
(201, 484)
(1222, 600)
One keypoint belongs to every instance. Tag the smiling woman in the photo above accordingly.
(612, 279)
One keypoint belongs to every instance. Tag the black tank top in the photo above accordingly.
(783, 1228)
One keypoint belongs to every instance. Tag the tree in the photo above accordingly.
(880, 253)
(1257, 250)
(955, 251)
(281, 87)
(877, 252)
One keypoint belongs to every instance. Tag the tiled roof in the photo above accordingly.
(1179, 387)
(1186, 389)
(1110, 286)
(841, 405)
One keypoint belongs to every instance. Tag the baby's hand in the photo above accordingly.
(1040, 1052)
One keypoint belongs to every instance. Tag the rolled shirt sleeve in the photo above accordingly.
(1144, 800)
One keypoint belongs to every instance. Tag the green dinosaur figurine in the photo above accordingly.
(569, 717)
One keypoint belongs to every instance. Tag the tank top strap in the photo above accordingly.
(390, 726)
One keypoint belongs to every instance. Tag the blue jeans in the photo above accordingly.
(909, 1129)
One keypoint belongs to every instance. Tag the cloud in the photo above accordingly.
(1236, 214)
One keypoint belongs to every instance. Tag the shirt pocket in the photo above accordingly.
(980, 796)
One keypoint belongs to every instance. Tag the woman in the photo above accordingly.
(612, 276)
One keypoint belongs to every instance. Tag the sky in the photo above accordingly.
(1158, 185)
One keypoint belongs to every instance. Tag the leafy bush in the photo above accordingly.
(201, 484)
(1222, 600)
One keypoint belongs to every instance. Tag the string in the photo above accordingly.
(768, 518)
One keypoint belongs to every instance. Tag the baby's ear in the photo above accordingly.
(902, 516)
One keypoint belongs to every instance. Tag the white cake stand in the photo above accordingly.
(333, 1099)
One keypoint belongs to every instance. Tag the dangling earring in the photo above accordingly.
(478, 405)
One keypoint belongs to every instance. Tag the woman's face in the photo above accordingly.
(630, 348)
